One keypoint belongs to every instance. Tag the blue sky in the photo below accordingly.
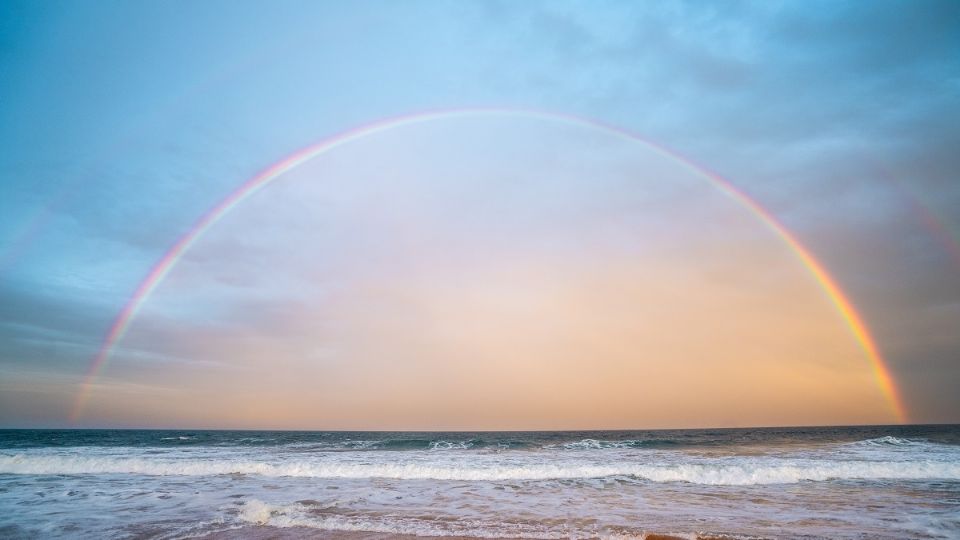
(121, 123)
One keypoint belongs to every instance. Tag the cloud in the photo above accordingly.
(835, 116)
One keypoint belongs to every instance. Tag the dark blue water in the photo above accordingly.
(391, 440)
(829, 482)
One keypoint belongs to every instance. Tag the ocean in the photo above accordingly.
(878, 482)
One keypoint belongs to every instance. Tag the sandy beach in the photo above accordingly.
(303, 533)
(737, 484)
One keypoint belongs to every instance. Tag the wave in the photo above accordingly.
(257, 512)
(477, 443)
(716, 472)
(400, 444)
(890, 440)
(428, 444)
(594, 444)
(896, 446)
(348, 444)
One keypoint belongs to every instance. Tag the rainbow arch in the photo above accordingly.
(844, 307)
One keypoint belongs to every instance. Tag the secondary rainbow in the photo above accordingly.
(156, 275)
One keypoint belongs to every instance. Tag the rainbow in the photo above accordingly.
(925, 215)
(160, 270)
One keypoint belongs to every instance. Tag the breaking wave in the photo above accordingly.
(890, 440)
(742, 471)
(594, 444)
(258, 512)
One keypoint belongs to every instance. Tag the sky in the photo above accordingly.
(598, 243)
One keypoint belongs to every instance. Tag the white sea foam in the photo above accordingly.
(594, 444)
(890, 440)
(447, 445)
(258, 512)
(901, 448)
(737, 471)
(360, 444)
(348, 444)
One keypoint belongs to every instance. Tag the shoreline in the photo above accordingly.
(268, 532)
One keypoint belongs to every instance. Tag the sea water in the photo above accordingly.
(833, 482)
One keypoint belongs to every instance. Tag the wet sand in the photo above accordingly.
(263, 532)
(304, 533)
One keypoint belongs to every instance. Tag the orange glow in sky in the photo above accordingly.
(490, 273)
